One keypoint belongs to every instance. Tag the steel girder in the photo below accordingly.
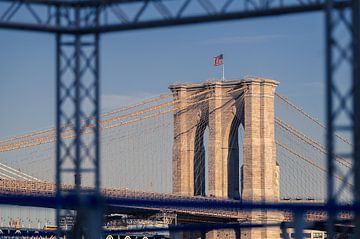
(78, 113)
(72, 20)
(343, 105)
(121, 15)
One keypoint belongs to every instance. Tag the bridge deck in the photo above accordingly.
(32, 188)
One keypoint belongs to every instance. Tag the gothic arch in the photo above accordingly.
(233, 155)
(223, 106)
(199, 160)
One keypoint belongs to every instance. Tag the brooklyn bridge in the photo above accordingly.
(218, 159)
(236, 140)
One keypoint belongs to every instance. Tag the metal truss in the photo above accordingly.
(120, 15)
(343, 103)
(77, 25)
(77, 111)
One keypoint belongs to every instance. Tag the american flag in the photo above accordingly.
(218, 60)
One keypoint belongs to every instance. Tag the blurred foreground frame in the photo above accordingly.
(77, 26)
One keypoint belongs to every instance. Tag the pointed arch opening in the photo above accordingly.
(235, 154)
(200, 160)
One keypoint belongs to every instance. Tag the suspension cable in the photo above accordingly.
(288, 102)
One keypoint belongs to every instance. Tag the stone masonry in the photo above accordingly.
(223, 106)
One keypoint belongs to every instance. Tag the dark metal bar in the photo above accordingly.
(329, 116)
(299, 225)
(97, 104)
(79, 54)
(336, 57)
(104, 28)
(36, 27)
(161, 21)
(73, 3)
(356, 107)
(58, 122)
(77, 104)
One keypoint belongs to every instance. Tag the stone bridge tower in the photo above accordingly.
(223, 106)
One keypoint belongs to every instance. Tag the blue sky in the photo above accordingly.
(139, 64)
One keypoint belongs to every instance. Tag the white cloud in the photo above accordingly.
(245, 39)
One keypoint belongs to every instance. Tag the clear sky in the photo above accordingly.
(139, 64)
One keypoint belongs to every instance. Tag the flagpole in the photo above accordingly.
(223, 70)
(219, 60)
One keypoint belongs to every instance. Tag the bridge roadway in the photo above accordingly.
(47, 190)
